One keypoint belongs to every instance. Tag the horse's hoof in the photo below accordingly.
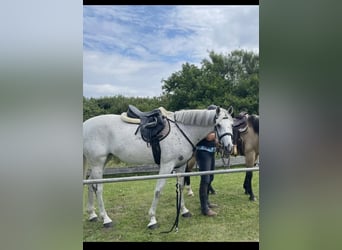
(187, 215)
(108, 225)
(93, 219)
(154, 226)
(252, 199)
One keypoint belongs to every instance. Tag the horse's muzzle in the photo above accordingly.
(226, 151)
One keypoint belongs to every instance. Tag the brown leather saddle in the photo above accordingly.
(240, 125)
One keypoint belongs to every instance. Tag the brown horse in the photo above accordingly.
(246, 142)
(189, 166)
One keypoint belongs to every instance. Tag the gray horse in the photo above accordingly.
(111, 134)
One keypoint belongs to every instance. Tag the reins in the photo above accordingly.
(178, 189)
(187, 138)
(178, 207)
(222, 157)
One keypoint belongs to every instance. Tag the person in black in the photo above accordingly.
(187, 182)
(205, 156)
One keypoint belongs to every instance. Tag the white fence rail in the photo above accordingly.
(237, 160)
(136, 178)
(234, 161)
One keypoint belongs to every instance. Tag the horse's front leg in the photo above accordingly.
(152, 212)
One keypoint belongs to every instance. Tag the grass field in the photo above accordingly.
(127, 204)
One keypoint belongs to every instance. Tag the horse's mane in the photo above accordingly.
(198, 117)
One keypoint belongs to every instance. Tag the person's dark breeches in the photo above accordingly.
(206, 162)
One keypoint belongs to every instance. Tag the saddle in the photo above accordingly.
(239, 126)
(151, 125)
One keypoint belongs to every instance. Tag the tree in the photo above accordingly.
(91, 108)
(225, 80)
(180, 88)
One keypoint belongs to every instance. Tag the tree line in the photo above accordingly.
(223, 79)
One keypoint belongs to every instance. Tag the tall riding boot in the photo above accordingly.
(203, 195)
(211, 190)
(211, 205)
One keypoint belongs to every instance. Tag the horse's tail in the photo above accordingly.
(85, 167)
(254, 120)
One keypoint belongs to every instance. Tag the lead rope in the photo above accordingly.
(178, 206)
(221, 153)
(221, 148)
(228, 161)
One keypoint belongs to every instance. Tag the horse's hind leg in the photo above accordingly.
(184, 211)
(90, 202)
(247, 185)
(97, 189)
(187, 183)
(97, 173)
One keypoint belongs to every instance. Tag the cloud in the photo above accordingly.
(129, 49)
(108, 75)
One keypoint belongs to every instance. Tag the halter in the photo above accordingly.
(224, 134)
(219, 138)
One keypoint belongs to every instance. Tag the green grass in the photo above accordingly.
(128, 203)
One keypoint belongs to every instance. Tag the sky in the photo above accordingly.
(128, 50)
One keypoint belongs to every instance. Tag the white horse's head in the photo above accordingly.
(224, 128)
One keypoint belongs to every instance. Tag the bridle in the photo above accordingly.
(221, 150)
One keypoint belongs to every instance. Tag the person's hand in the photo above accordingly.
(217, 143)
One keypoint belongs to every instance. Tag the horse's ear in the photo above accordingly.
(230, 110)
(218, 110)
